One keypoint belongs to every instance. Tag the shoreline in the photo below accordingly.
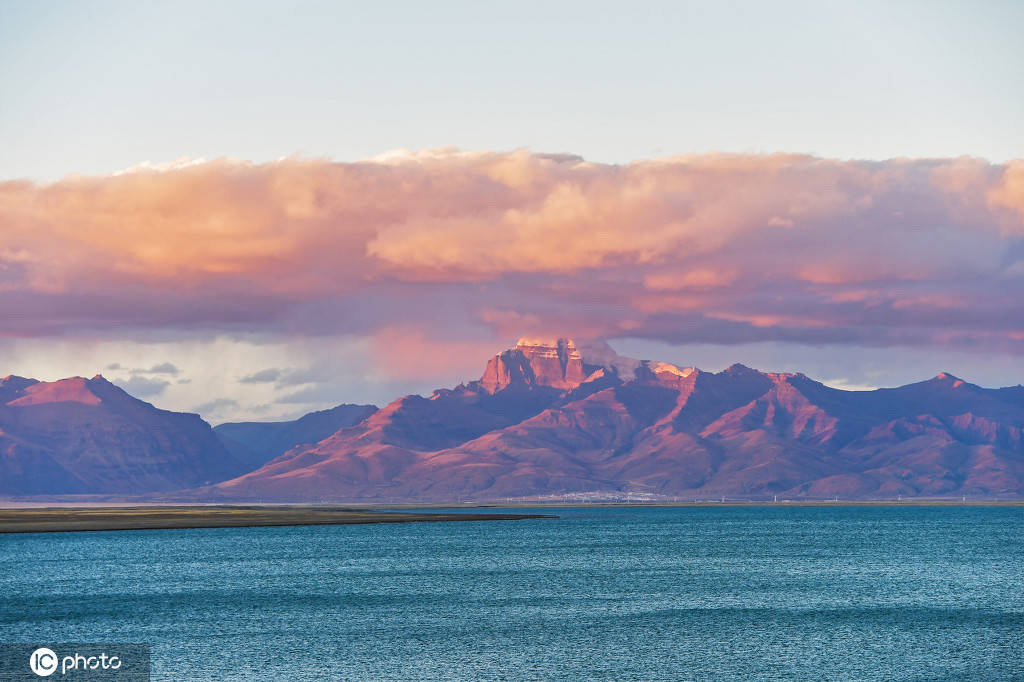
(75, 519)
(713, 504)
(12, 504)
(55, 517)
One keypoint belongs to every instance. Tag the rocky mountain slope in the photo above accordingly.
(547, 419)
(87, 436)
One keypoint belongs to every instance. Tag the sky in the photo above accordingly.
(252, 210)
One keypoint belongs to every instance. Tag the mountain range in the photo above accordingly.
(256, 443)
(87, 436)
(547, 419)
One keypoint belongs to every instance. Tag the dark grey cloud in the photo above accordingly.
(162, 368)
(264, 376)
(216, 407)
(141, 387)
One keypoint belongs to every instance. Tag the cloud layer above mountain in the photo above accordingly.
(712, 249)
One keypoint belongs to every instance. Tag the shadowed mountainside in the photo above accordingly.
(256, 443)
(547, 419)
(87, 436)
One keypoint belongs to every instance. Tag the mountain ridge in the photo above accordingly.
(547, 419)
(660, 430)
(256, 443)
(88, 436)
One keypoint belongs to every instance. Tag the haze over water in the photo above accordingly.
(690, 593)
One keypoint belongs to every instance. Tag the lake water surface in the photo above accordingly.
(913, 593)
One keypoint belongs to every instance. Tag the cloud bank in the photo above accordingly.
(441, 244)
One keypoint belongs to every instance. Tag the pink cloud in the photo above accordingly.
(1009, 194)
(408, 353)
(717, 248)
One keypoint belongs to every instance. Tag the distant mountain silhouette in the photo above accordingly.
(547, 419)
(256, 443)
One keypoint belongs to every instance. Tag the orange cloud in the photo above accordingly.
(699, 278)
(721, 248)
(406, 352)
(1009, 194)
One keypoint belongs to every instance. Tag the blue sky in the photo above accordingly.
(95, 87)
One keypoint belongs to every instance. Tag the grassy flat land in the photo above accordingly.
(53, 519)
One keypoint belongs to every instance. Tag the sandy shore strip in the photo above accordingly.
(54, 519)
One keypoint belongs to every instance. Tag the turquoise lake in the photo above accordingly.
(764, 593)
